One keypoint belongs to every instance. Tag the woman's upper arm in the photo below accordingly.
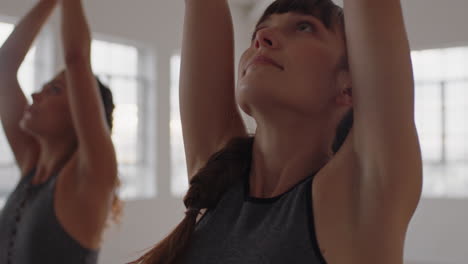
(209, 113)
(87, 112)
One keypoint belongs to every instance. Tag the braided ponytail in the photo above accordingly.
(206, 188)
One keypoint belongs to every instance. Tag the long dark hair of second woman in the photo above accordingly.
(109, 106)
(232, 162)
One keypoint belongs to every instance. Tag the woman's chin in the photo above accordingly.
(26, 126)
(242, 101)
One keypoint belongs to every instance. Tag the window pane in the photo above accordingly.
(114, 59)
(179, 180)
(5, 30)
(455, 61)
(26, 74)
(125, 132)
(428, 121)
(427, 65)
(457, 122)
(117, 66)
(100, 55)
(441, 91)
(127, 60)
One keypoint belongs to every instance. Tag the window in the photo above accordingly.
(441, 77)
(179, 180)
(120, 66)
(8, 168)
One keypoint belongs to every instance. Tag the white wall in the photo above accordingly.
(437, 233)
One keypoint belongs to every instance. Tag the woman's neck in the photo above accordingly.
(53, 156)
(284, 154)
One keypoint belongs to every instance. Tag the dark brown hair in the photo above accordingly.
(108, 103)
(233, 161)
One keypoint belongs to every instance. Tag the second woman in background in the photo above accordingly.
(62, 145)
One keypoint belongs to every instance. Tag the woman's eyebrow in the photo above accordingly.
(45, 85)
(258, 26)
(263, 22)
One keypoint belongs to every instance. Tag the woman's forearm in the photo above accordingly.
(207, 72)
(76, 36)
(379, 55)
(15, 48)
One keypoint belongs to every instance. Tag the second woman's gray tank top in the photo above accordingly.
(244, 229)
(30, 232)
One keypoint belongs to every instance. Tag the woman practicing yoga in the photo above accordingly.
(62, 145)
(333, 106)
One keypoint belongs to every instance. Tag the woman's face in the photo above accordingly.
(291, 65)
(49, 114)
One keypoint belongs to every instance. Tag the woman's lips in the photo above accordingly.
(261, 59)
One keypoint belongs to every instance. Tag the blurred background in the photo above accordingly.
(136, 51)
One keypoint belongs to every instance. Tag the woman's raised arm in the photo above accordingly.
(386, 139)
(209, 113)
(12, 99)
(98, 166)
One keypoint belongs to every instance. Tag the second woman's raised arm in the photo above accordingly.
(208, 110)
(95, 149)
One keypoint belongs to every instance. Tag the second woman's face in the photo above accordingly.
(49, 114)
(291, 64)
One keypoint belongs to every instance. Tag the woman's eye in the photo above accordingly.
(305, 26)
(54, 90)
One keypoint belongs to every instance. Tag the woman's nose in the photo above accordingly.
(267, 38)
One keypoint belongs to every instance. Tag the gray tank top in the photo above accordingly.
(244, 229)
(30, 232)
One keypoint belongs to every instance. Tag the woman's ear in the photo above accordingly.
(344, 86)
